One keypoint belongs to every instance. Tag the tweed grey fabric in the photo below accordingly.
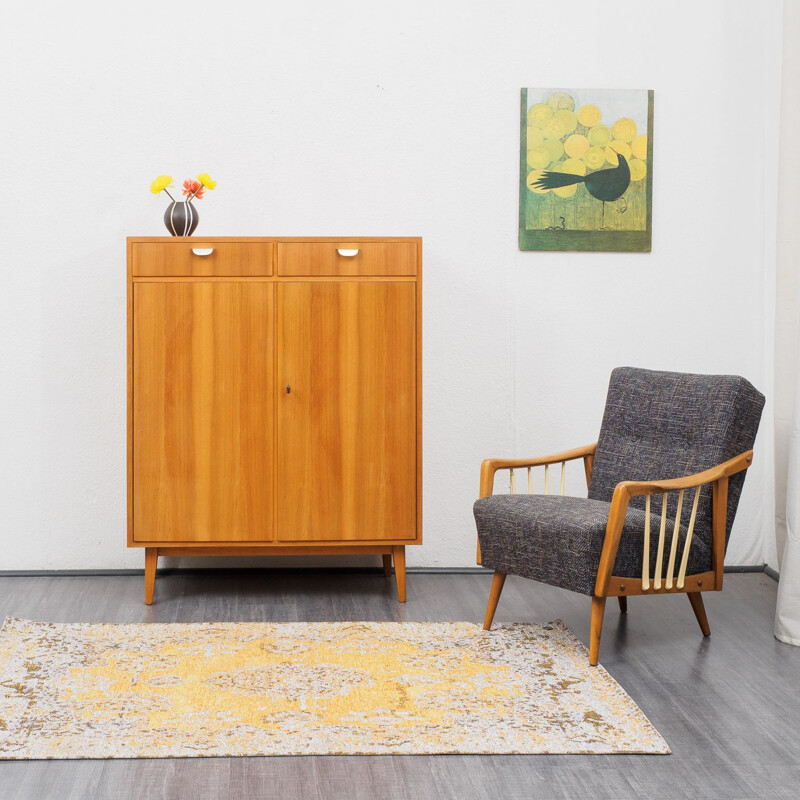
(558, 540)
(656, 426)
(660, 425)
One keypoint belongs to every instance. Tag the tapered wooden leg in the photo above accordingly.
(696, 599)
(150, 564)
(399, 552)
(598, 609)
(494, 598)
(623, 604)
(387, 565)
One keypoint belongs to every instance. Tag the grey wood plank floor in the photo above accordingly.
(729, 706)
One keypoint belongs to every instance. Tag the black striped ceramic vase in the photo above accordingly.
(181, 218)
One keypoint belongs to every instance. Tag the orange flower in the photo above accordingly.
(193, 188)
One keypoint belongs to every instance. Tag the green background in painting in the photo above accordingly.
(544, 210)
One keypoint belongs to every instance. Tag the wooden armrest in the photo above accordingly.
(626, 490)
(491, 465)
(724, 470)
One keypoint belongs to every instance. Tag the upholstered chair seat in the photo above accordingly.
(559, 540)
(664, 482)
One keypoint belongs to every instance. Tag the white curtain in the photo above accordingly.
(787, 615)
(787, 340)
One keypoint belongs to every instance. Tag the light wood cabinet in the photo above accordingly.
(274, 411)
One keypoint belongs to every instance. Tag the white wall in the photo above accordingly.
(320, 118)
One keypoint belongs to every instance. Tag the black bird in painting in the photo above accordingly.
(604, 185)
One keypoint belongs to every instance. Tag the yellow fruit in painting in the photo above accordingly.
(638, 169)
(624, 129)
(589, 115)
(535, 137)
(559, 100)
(639, 146)
(567, 120)
(538, 157)
(599, 136)
(594, 158)
(539, 114)
(554, 148)
(565, 191)
(553, 128)
(573, 166)
(531, 180)
(617, 147)
(576, 145)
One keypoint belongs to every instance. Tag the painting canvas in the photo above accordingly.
(586, 169)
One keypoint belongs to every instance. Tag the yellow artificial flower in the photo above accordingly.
(205, 179)
(160, 183)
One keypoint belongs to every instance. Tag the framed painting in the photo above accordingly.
(586, 170)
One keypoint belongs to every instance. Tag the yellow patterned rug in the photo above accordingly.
(251, 689)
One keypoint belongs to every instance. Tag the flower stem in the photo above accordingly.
(170, 196)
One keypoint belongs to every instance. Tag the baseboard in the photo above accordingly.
(746, 568)
(111, 573)
(772, 573)
(765, 568)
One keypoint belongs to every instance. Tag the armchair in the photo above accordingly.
(641, 530)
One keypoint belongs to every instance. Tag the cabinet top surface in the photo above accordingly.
(135, 239)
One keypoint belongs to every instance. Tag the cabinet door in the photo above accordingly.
(346, 411)
(203, 411)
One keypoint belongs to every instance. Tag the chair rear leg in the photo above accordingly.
(598, 609)
(494, 598)
(623, 604)
(696, 599)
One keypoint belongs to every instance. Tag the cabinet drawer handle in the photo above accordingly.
(202, 251)
(347, 253)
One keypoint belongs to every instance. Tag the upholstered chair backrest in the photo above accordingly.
(660, 425)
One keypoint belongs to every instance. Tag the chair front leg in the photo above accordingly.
(494, 598)
(616, 519)
(596, 628)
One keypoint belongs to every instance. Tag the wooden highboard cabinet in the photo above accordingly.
(274, 397)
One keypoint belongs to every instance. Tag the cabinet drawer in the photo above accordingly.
(347, 258)
(178, 258)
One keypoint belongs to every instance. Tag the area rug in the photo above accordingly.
(328, 688)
